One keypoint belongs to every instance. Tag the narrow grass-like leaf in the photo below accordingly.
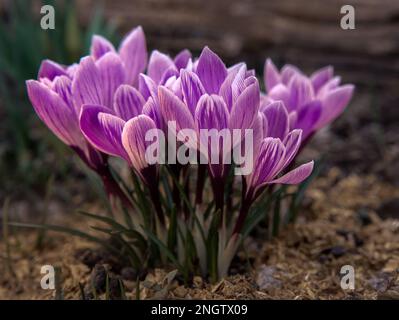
(165, 250)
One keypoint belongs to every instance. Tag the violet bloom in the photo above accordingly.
(111, 134)
(59, 93)
(51, 98)
(312, 102)
(132, 52)
(162, 70)
(161, 67)
(274, 150)
(212, 97)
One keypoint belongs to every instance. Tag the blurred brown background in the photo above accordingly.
(303, 32)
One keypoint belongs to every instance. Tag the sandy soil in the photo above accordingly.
(348, 220)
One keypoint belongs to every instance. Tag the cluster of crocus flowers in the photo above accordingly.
(311, 102)
(107, 103)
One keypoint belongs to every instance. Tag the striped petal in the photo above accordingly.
(103, 130)
(100, 46)
(159, 63)
(277, 119)
(151, 109)
(212, 115)
(182, 58)
(245, 108)
(173, 109)
(301, 92)
(128, 102)
(292, 143)
(271, 75)
(133, 52)
(321, 77)
(271, 154)
(334, 104)
(112, 75)
(192, 89)
(147, 87)
(50, 69)
(308, 116)
(134, 140)
(87, 85)
(297, 175)
(59, 117)
(211, 71)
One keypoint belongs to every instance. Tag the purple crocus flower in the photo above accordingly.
(212, 97)
(161, 67)
(312, 102)
(59, 93)
(274, 150)
(111, 134)
(52, 101)
(132, 52)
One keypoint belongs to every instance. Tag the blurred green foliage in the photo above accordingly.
(27, 148)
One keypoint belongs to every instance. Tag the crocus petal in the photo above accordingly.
(134, 141)
(100, 46)
(192, 89)
(321, 77)
(103, 130)
(59, 117)
(277, 119)
(301, 92)
(265, 125)
(308, 116)
(271, 154)
(71, 70)
(112, 76)
(133, 52)
(292, 142)
(271, 75)
(212, 114)
(147, 87)
(292, 119)
(182, 58)
(174, 84)
(50, 69)
(245, 108)
(87, 86)
(169, 73)
(158, 64)
(258, 130)
(297, 175)
(128, 102)
(288, 72)
(233, 85)
(62, 86)
(233, 70)
(211, 71)
(152, 110)
(329, 86)
(250, 73)
(334, 104)
(173, 109)
(280, 92)
(240, 82)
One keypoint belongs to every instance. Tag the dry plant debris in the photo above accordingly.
(341, 224)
